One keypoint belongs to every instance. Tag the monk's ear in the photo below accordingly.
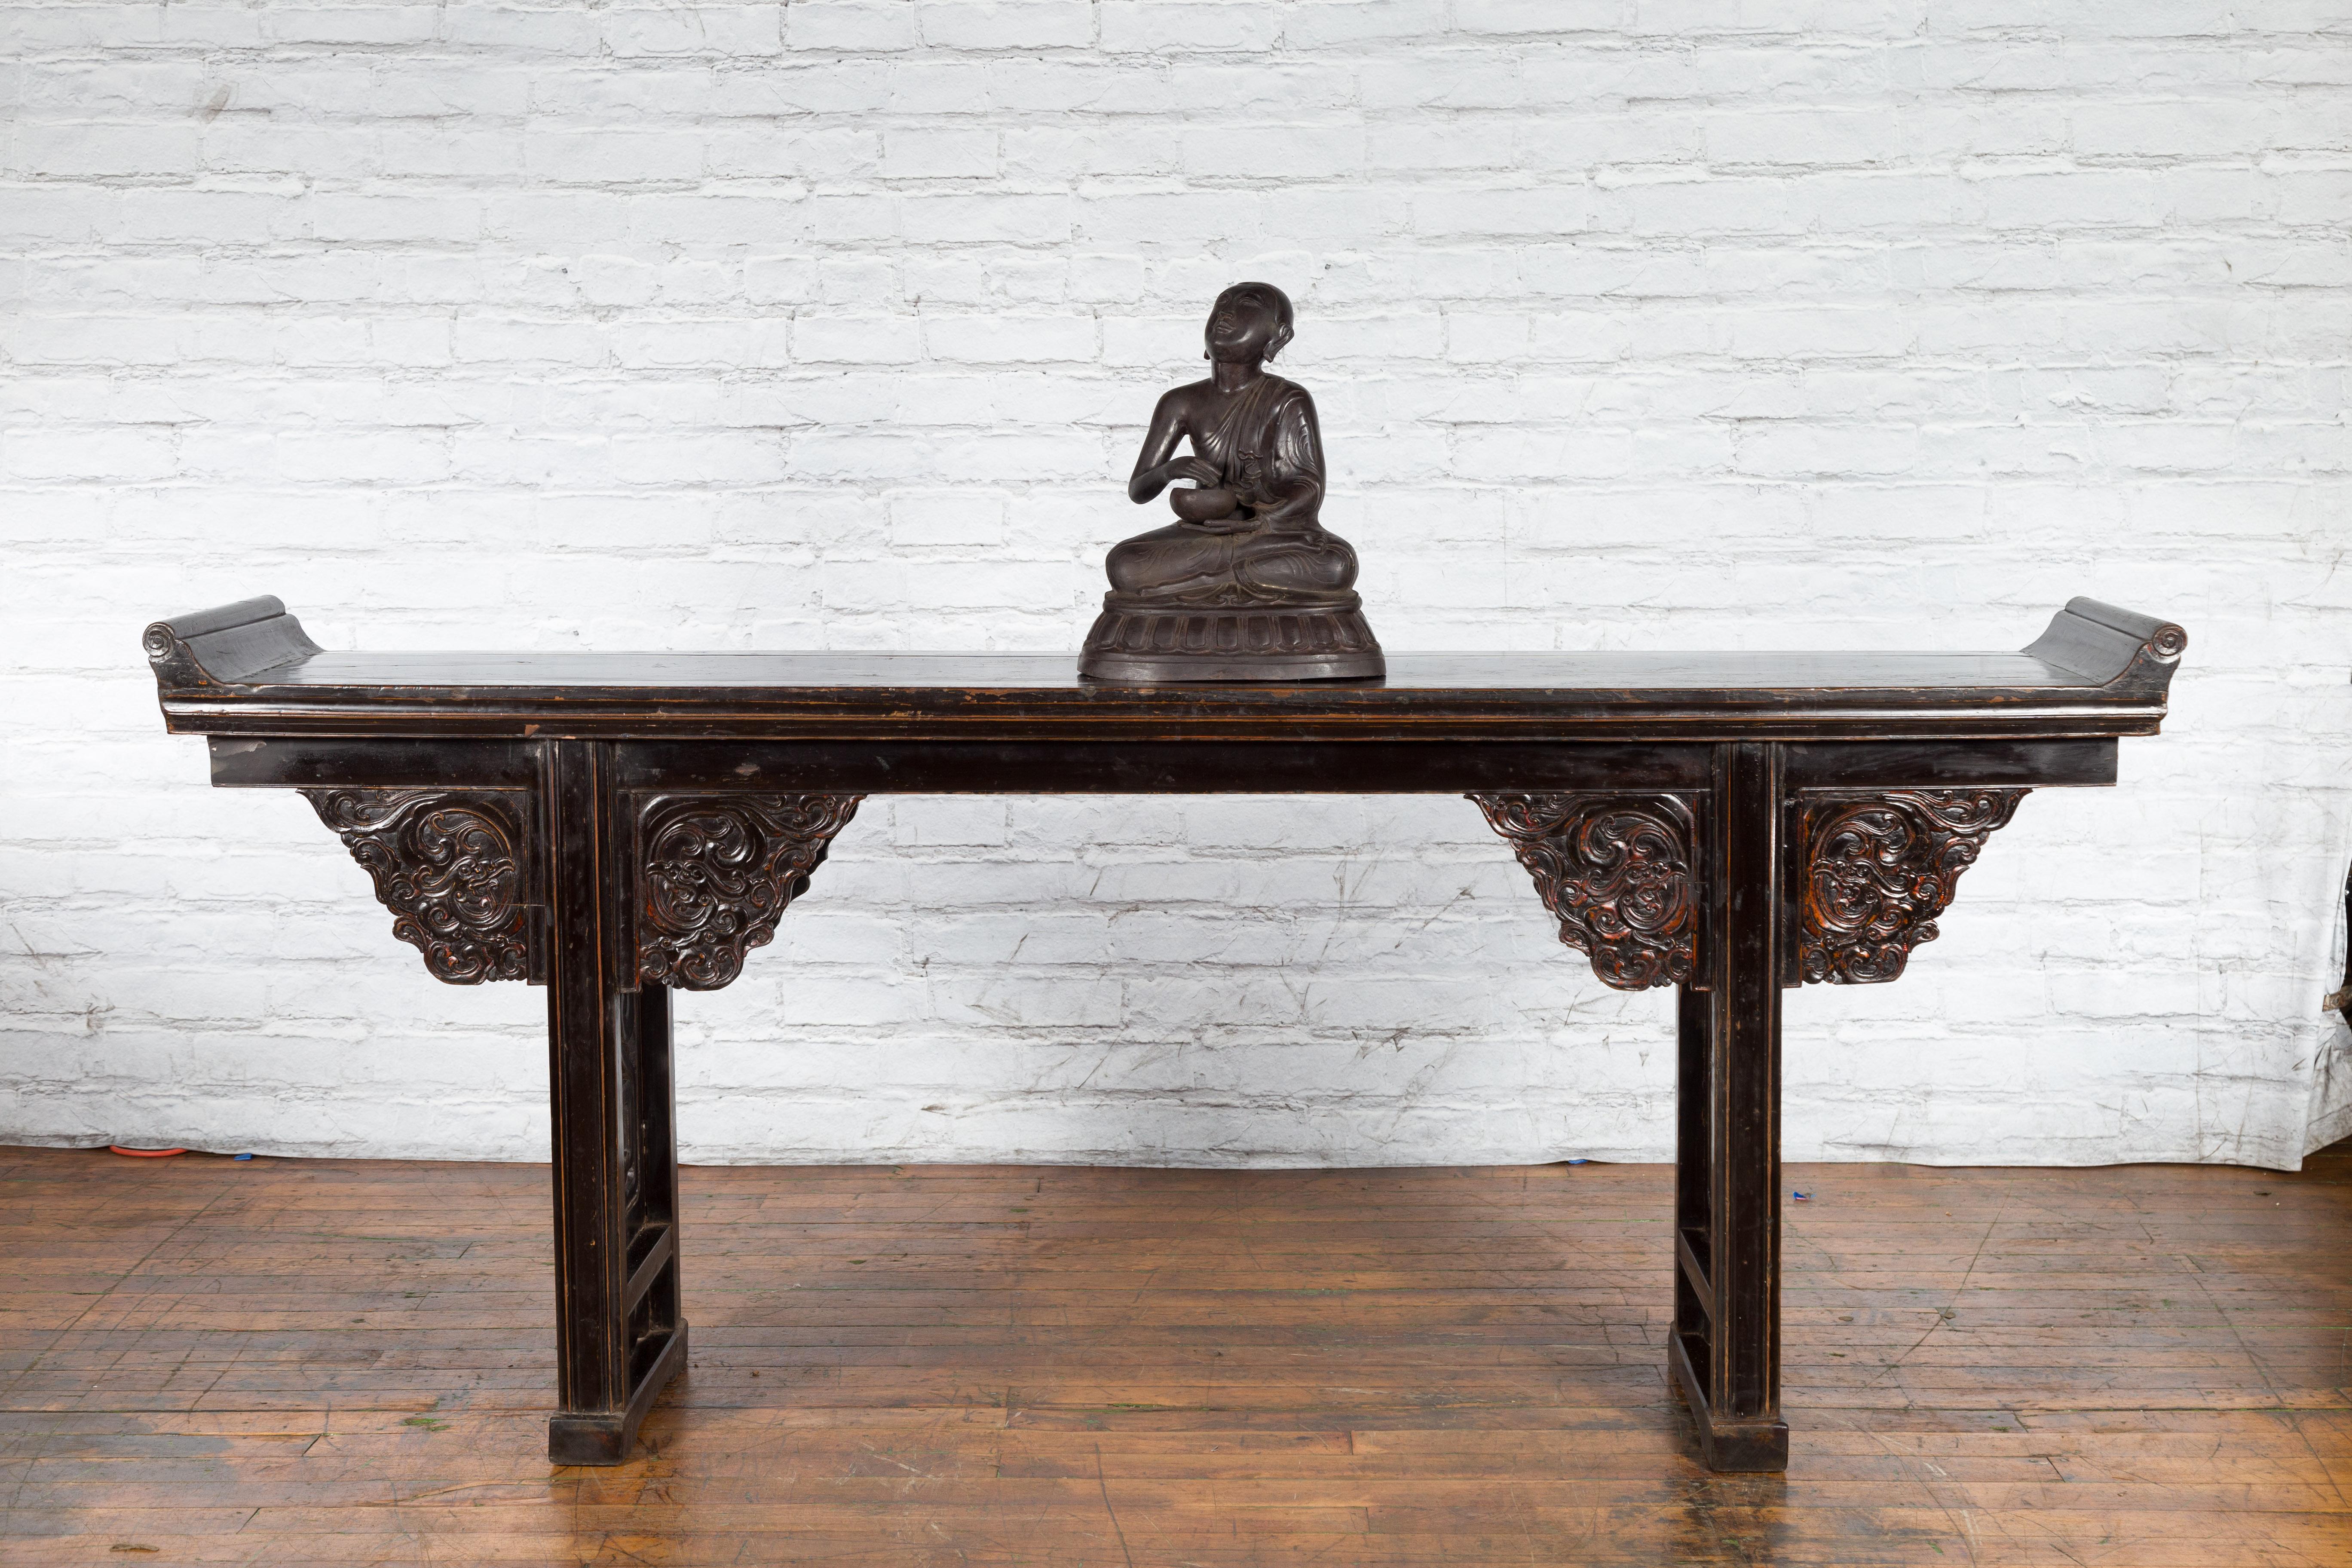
(1281, 340)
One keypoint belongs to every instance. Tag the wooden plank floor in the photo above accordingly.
(346, 1363)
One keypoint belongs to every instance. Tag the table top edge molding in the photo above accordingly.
(250, 668)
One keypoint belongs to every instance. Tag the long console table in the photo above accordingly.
(615, 826)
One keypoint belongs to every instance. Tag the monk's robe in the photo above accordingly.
(1267, 451)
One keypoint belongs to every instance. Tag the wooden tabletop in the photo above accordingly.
(248, 668)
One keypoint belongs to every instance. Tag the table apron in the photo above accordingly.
(1151, 767)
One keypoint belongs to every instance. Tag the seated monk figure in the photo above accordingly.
(1247, 586)
(1249, 534)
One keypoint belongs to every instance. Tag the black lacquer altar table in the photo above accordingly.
(617, 825)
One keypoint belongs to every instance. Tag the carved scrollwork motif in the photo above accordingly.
(716, 874)
(1879, 870)
(449, 867)
(1617, 871)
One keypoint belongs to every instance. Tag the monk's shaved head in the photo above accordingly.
(1261, 297)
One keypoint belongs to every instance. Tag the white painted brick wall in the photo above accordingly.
(831, 325)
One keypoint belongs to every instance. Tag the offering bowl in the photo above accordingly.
(1202, 505)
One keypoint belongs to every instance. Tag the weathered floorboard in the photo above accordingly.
(347, 1363)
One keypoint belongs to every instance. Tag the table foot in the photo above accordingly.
(607, 1438)
(1743, 1447)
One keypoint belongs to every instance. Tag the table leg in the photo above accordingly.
(1725, 1345)
(619, 1336)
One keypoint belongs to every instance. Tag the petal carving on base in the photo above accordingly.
(1617, 870)
(1879, 869)
(715, 874)
(448, 864)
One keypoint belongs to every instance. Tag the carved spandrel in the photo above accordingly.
(1618, 872)
(716, 872)
(1879, 869)
(448, 864)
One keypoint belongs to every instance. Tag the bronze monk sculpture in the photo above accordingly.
(1247, 586)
